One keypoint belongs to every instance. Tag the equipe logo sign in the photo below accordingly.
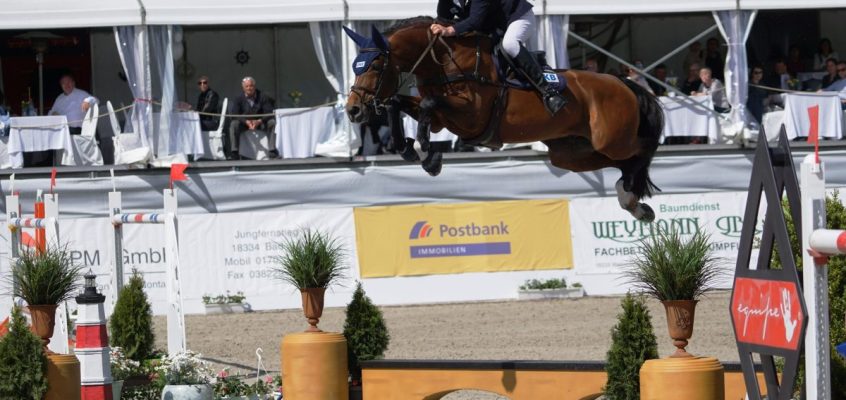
(422, 229)
(767, 312)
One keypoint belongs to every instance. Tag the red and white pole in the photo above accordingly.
(92, 343)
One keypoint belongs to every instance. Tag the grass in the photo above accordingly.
(43, 278)
(311, 260)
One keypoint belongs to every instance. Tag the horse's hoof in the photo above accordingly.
(433, 163)
(409, 154)
(646, 213)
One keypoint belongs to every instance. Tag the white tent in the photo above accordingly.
(42, 14)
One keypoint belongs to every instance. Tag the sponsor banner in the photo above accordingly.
(429, 239)
(219, 253)
(606, 237)
(767, 312)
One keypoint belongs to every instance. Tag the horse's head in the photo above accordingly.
(376, 77)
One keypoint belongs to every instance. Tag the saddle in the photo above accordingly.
(507, 72)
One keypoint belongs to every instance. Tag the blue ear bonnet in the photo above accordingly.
(363, 60)
(371, 48)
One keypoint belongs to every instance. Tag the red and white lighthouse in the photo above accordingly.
(92, 343)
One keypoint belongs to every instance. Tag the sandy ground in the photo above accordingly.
(571, 329)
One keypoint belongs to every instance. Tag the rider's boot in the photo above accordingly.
(529, 66)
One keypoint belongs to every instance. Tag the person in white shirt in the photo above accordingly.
(72, 103)
(713, 87)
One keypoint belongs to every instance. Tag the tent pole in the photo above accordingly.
(680, 48)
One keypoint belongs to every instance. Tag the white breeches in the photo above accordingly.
(519, 31)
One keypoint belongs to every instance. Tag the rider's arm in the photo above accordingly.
(478, 12)
(444, 12)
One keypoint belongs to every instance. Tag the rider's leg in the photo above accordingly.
(519, 32)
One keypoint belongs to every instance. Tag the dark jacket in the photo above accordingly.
(261, 105)
(209, 102)
(482, 15)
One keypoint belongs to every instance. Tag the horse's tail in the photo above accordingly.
(649, 134)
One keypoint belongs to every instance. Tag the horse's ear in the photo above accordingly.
(379, 40)
(359, 40)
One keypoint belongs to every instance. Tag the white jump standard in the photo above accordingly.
(175, 315)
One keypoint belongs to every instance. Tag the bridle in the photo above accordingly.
(379, 103)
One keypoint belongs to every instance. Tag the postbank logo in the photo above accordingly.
(495, 237)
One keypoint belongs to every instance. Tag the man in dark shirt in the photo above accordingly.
(692, 83)
(208, 102)
(250, 103)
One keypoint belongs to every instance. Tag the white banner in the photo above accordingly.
(219, 253)
(605, 242)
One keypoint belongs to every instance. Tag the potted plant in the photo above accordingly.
(225, 303)
(44, 279)
(131, 323)
(677, 273)
(122, 368)
(185, 376)
(23, 364)
(231, 387)
(535, 289)
(632, 343)
(311, 262)
(367, 337)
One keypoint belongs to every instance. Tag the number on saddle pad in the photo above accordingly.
(550, 77)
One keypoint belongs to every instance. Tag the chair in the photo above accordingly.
(213, 140)
(85, 149)
(129, 148)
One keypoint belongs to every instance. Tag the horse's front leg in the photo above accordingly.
(403, 145)
(434, 159)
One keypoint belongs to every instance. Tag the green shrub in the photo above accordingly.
(131, 323)
(365, 331)
(632, 343)
(547, 284)
(23, 364)
(835, 219)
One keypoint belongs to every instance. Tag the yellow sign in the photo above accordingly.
(430, 239)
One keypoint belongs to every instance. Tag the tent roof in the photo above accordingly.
(101, 13)
(219, 12)
(68, 14)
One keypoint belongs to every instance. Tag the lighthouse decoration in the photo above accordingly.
(92, 343)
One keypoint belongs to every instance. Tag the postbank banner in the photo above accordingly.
(428, 239)
(605, 237)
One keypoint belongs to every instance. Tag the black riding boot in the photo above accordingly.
(526, 62)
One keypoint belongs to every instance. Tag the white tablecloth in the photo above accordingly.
(773, 120)
(186, 138)
(299, 130)
(683, 118)
(37, 134)
(798, 123)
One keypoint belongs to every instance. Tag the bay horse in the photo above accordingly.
(607, 122)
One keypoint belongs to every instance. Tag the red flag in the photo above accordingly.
(814, 132)
(177, 173)
(52, 179)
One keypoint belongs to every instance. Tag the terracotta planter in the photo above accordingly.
(43, 322)
(313, 306)
(680, 323)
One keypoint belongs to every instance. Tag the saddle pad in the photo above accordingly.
(518, 81)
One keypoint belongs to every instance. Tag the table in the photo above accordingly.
(797, 122)
(689, 116)
(299, 130)
(38, 134)
(185, 135)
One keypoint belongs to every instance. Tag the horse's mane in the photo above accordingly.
(414, 22)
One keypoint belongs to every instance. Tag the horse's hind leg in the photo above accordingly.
(629, 194)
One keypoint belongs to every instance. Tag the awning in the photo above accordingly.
(68, 14)
(228, 12)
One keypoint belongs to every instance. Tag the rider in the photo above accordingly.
(516, 18)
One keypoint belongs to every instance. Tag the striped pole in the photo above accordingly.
(828, 242)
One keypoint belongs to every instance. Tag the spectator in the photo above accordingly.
(208, 102)
(660, 73)
(824, 53)
(714, 59)
(250, 102)
(831, 73)
(840, 85)
(694, 56)
(795, 63)
(692, 82)
(757, 95)
(73, 103)
(5, 116)
(781, 77)
(713, 87)
(591, 65)
(634, 76)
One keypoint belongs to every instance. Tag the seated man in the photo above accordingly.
(840, 85)
(250, 102)
(713, 87)
(208, 102)
(72, 103)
